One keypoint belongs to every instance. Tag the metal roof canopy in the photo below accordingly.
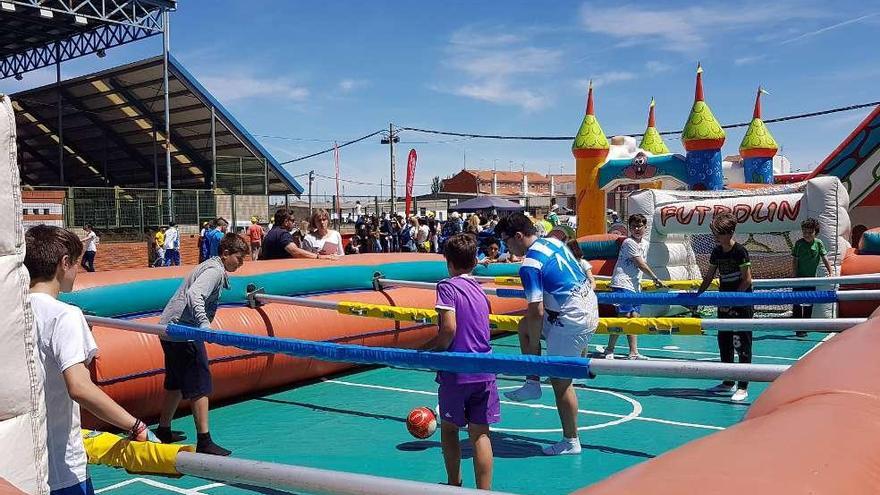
(113, 131)
(40, 33)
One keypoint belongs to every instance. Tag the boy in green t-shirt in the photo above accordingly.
(806, 254)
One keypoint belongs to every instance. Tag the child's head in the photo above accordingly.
(461, 253)
(221, 224)
(575, 247)
(232, 251)
(492, 248)
(637, 223)
(87, 227)
(52, 253)
(515, 231)
(723, 227)
(810, 229)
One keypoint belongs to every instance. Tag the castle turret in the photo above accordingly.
(590, 148)
(652, 141)
(758, 148)
(703, 138)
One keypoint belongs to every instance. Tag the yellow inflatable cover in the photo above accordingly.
(508, 323)
(135, 457)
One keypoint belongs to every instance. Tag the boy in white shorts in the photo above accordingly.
(562, 308)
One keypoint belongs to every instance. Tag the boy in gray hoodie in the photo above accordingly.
(187, 375)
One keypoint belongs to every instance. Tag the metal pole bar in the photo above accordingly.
(297, 301)
(301, 479)
(393, 169)
(689, 369)
(132, 326)
(676, 369)
(213, 147)
(827, 325)
(771, 283)
(60, 112)
(851, 295)
(166, 45)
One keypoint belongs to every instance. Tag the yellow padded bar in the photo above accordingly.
(509, 323)
(135, 457)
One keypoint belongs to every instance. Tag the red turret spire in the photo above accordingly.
(757, 114)
(590, 99)
(651, 114)
(698, 94)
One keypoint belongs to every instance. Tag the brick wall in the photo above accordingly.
(122, 255)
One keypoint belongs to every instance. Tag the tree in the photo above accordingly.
(435, 185)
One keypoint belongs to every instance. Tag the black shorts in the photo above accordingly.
(736, 312)
(186, 368)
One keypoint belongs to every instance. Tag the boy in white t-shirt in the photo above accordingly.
(66, 348)
(627, 277)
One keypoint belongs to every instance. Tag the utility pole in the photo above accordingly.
(311, 181)
(390, 140)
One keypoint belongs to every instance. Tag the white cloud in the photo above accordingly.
(747, 60)
(686, 29)
(657, 67)
(498, 91)
(606, 78)
(499, 67)
(229, 89)
(350, 85)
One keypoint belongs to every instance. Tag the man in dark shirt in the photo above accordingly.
(278, 243)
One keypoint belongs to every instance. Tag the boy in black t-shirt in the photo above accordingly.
(731, 261)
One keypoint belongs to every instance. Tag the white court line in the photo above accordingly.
(117, 485)
(532, 406)
(207, 487)
(154, 484)
(825, 339)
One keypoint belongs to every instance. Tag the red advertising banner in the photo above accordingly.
(410, 178)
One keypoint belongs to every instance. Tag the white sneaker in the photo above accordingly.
(741, 394)
(608, 355)
(529, 391)
(564, 447)
(722, 388)
(638, 357)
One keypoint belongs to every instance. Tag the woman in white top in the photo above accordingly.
(322, 239)
(90, 241)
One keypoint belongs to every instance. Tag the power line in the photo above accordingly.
(666, 133)
(361, 183)
(328, 150)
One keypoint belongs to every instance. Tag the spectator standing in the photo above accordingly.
(203, 244)
(172, 245)
(159, 243)
(322, 239)
(408, 231)
(279, 243)
(473, 225)
(215, 236)
(422, 234)
(91, 248)
(255, 236)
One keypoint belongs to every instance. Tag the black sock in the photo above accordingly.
(205, 445)
(166, 435)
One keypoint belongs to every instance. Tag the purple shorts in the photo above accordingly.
(463, 403)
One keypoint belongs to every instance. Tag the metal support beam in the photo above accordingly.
(176, 139)
(119, 22)
(108, 133)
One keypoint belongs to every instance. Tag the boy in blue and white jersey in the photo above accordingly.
(561, 306)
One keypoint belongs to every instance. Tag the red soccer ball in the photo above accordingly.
(421, 422)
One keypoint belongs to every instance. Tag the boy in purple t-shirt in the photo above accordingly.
(466, 399)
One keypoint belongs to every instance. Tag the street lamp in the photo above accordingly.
(392, 138)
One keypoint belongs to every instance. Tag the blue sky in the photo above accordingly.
(302, 74)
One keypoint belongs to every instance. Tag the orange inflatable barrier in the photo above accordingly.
(130, 366)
